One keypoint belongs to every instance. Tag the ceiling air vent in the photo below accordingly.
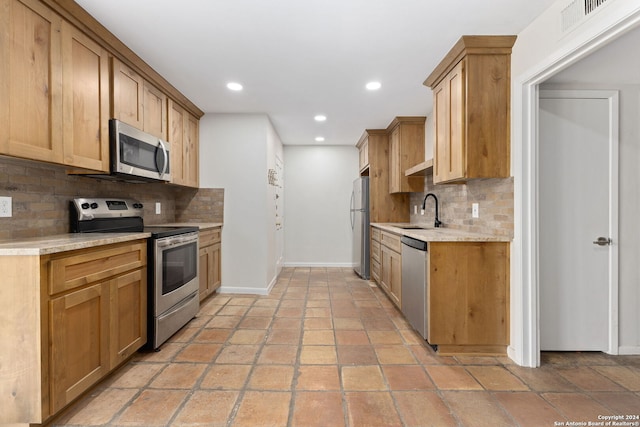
(577, 10)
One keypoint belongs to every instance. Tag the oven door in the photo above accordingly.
(176, 270)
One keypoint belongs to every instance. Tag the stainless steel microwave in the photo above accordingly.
(137, 155)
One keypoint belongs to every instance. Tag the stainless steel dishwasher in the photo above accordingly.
(414, 283)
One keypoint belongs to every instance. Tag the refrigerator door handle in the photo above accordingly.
(352, 210)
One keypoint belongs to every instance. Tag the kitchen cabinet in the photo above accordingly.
(85, 101)
(376, 254)
(75, 316)
(406, 148)
(31, 76)
(79, 342)
(137, 102)
(383, 206)
(363, 155)
(183, 136)
(468, 297)
(210, 261)
(56, 77)
(391, 266)
(471, 104)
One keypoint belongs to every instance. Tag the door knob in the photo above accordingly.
(602, 241)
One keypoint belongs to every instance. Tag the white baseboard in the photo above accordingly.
(320, 264)
(244, 290)
(627, 350)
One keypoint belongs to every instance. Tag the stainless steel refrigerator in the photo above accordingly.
(360, 226)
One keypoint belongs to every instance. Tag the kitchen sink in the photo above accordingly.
(412, 227)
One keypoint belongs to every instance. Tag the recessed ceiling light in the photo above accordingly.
(319, 138)
(373, 85)
(234, 86)
(320, 118)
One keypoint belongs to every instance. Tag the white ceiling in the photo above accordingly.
(299, 58)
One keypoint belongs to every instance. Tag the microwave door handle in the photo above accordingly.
(166, 157)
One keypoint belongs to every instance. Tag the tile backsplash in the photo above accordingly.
(494, 197)
(41, 193)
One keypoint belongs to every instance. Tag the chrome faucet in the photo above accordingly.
(437, 222)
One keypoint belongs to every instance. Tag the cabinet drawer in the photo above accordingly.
(209, 237)
(392, 241)
(375, 234)
(90, 265)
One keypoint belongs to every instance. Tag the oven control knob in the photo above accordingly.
(85, 206)
(138, 205)
(94, 205)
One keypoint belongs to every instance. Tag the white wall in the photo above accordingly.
(234, 150)
(317, 191)
(540, 51)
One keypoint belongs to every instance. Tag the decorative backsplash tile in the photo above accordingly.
(41, 194)
(494, 197)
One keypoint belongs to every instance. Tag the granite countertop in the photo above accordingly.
(71, 241)
(65, 242)
(442, 234)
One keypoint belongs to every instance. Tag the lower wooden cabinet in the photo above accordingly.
(386, 257)
(79, 342)
(376, 254)
(210, 261)
(74, 316)
(468, 297)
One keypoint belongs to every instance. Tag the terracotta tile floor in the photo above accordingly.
(327, 349)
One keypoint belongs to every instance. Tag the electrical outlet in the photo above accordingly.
(5, 207)
(475, 210)
(158, 208)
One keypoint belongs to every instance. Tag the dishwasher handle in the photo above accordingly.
(414, 243)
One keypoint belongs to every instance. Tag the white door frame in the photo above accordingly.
(525, 341)
(612, 97)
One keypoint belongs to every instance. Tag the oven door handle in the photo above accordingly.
(175, 241)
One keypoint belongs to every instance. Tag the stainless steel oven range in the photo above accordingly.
(172, 260)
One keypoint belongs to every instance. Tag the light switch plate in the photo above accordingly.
(475, 210)
(158, 208)
(5, 207)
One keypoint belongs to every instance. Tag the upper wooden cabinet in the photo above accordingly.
(137, 102)
(363, 154)
(383, 206)
(406, 149)
(55, 76)
(471, 105)
(85, 101)
(183, 136)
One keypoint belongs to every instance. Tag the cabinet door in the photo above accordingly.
(385, 268)
(176, 138)
(183, 136)
(128, 327)
(79, 356)
(85, 77)
(450, 110)
(191, 151)
(205, 274)
(127, 93)
(395, 185)
(216, 260)
(395, 277)
(30, 81)
(154, 111)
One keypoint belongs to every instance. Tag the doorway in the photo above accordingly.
(577, 217)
